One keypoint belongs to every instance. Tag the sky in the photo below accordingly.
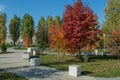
(38, 8)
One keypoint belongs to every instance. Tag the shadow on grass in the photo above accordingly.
(60, 65)
(104, 57)
(86, 72)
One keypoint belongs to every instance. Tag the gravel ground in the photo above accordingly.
(14, 63)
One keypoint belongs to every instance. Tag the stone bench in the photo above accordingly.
(34, 61)
(74, 70)
(26, 55)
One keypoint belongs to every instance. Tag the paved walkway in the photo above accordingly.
(14, 63)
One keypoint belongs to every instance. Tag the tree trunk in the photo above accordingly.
(14, 43)
(58, 53)
(79, 53)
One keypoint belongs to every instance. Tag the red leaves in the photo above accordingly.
(79, 24)
(115, 36)
(115, 41)
(27, 41)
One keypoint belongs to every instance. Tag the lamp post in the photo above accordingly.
(104, 42)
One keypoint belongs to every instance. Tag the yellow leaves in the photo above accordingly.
(56, 37)
(2, 41)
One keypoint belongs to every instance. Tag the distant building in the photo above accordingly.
(19, 41)
(8, 39)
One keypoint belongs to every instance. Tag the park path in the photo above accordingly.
(14, 63)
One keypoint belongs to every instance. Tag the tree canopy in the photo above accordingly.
(112, 15)
(42, 35)
(2, 27)
(14, 28)
(27, 27)
(80, 26)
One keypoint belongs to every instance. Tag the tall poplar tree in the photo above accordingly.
(112, 16)
(2, 27)
(27, 29)
(49, 21)
(41, 35)
(14, 28)
(57, 21)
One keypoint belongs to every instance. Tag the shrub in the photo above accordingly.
(9, 45)
(3, 48)
(86, 58)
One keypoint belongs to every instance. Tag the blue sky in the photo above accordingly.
(38, 8)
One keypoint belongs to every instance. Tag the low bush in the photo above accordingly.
(85, 58)
(3, 48)
(9, 45)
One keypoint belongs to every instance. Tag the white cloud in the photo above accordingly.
(2, 7)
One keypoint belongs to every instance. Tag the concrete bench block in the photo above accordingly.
(34, 52)
(34, 61)
(26, 56)
(74, 70)
(30, 50)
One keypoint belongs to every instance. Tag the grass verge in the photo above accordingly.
(107, 68)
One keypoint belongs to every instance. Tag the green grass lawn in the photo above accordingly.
(96, 67)
(9, 76)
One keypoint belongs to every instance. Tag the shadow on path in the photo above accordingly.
(38, 72)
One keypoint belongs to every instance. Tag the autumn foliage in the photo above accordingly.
(115, 41)
(56, 37)
(80, 27)
(27, 41)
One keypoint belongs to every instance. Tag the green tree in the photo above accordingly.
(41, 35)
(41, 22)
(14, 28)
(57, 20)
(2, 27)
(49, 21)
(27, 27)
(112, 15)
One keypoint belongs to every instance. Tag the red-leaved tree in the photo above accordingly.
(80, 27)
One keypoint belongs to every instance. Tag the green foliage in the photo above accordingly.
(42, 35)
(2, 27)
(3, 48)
(41, 22)
(86, 58)
(49, 21)
(14, 28)
(27, 26)
(9, 45)
(112, 14)
(57, 20)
